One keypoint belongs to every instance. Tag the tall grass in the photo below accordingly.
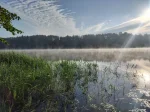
(30, 84)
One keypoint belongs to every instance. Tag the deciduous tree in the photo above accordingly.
(6, 19)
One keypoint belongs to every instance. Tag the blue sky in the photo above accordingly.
(79, 17)
(96, 11)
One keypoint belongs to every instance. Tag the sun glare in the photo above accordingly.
(145, 76)
(145, 17)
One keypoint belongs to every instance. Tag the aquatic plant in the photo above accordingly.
(33, 84)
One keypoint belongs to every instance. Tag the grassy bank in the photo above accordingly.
(30, 84)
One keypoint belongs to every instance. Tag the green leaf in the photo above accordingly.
(6, 19)
(4, 41)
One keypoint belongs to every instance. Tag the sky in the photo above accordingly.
(79, 17)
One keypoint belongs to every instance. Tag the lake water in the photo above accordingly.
(123, 54)
(123, 78)
(124, 85)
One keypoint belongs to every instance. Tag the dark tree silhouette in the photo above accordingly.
(110, 40)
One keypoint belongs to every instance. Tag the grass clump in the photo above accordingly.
(32, 84)
(23, 80)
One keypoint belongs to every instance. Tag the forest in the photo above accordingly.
(110, 40)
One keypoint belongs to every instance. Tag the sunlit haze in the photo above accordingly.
(145, 17)
(75, 56)
(79, 17)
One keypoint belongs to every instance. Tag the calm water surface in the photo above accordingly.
(122, 85)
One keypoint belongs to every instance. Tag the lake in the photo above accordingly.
(113, 54)
(123, 79)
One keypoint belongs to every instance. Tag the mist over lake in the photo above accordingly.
(74, 55)
(102, 54)
(122, 79)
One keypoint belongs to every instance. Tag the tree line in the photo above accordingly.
(110, 40)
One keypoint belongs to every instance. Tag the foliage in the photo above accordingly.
(110, 40)
(3, 41)
(6, 18)
(32, 84)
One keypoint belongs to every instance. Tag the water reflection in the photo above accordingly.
(120, 87)
(145, 76)
(102, 87)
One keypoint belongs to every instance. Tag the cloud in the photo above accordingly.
(47, 17)
(93, 29)
(136, 25)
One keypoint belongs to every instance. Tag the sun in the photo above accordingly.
(145, 17)
(145, 75)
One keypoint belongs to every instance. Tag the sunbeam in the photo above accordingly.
(129, 42)
(144, 18)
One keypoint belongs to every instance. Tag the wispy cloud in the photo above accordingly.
(93, 29)
(136, 25)
(48, 17)
(130, 26)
